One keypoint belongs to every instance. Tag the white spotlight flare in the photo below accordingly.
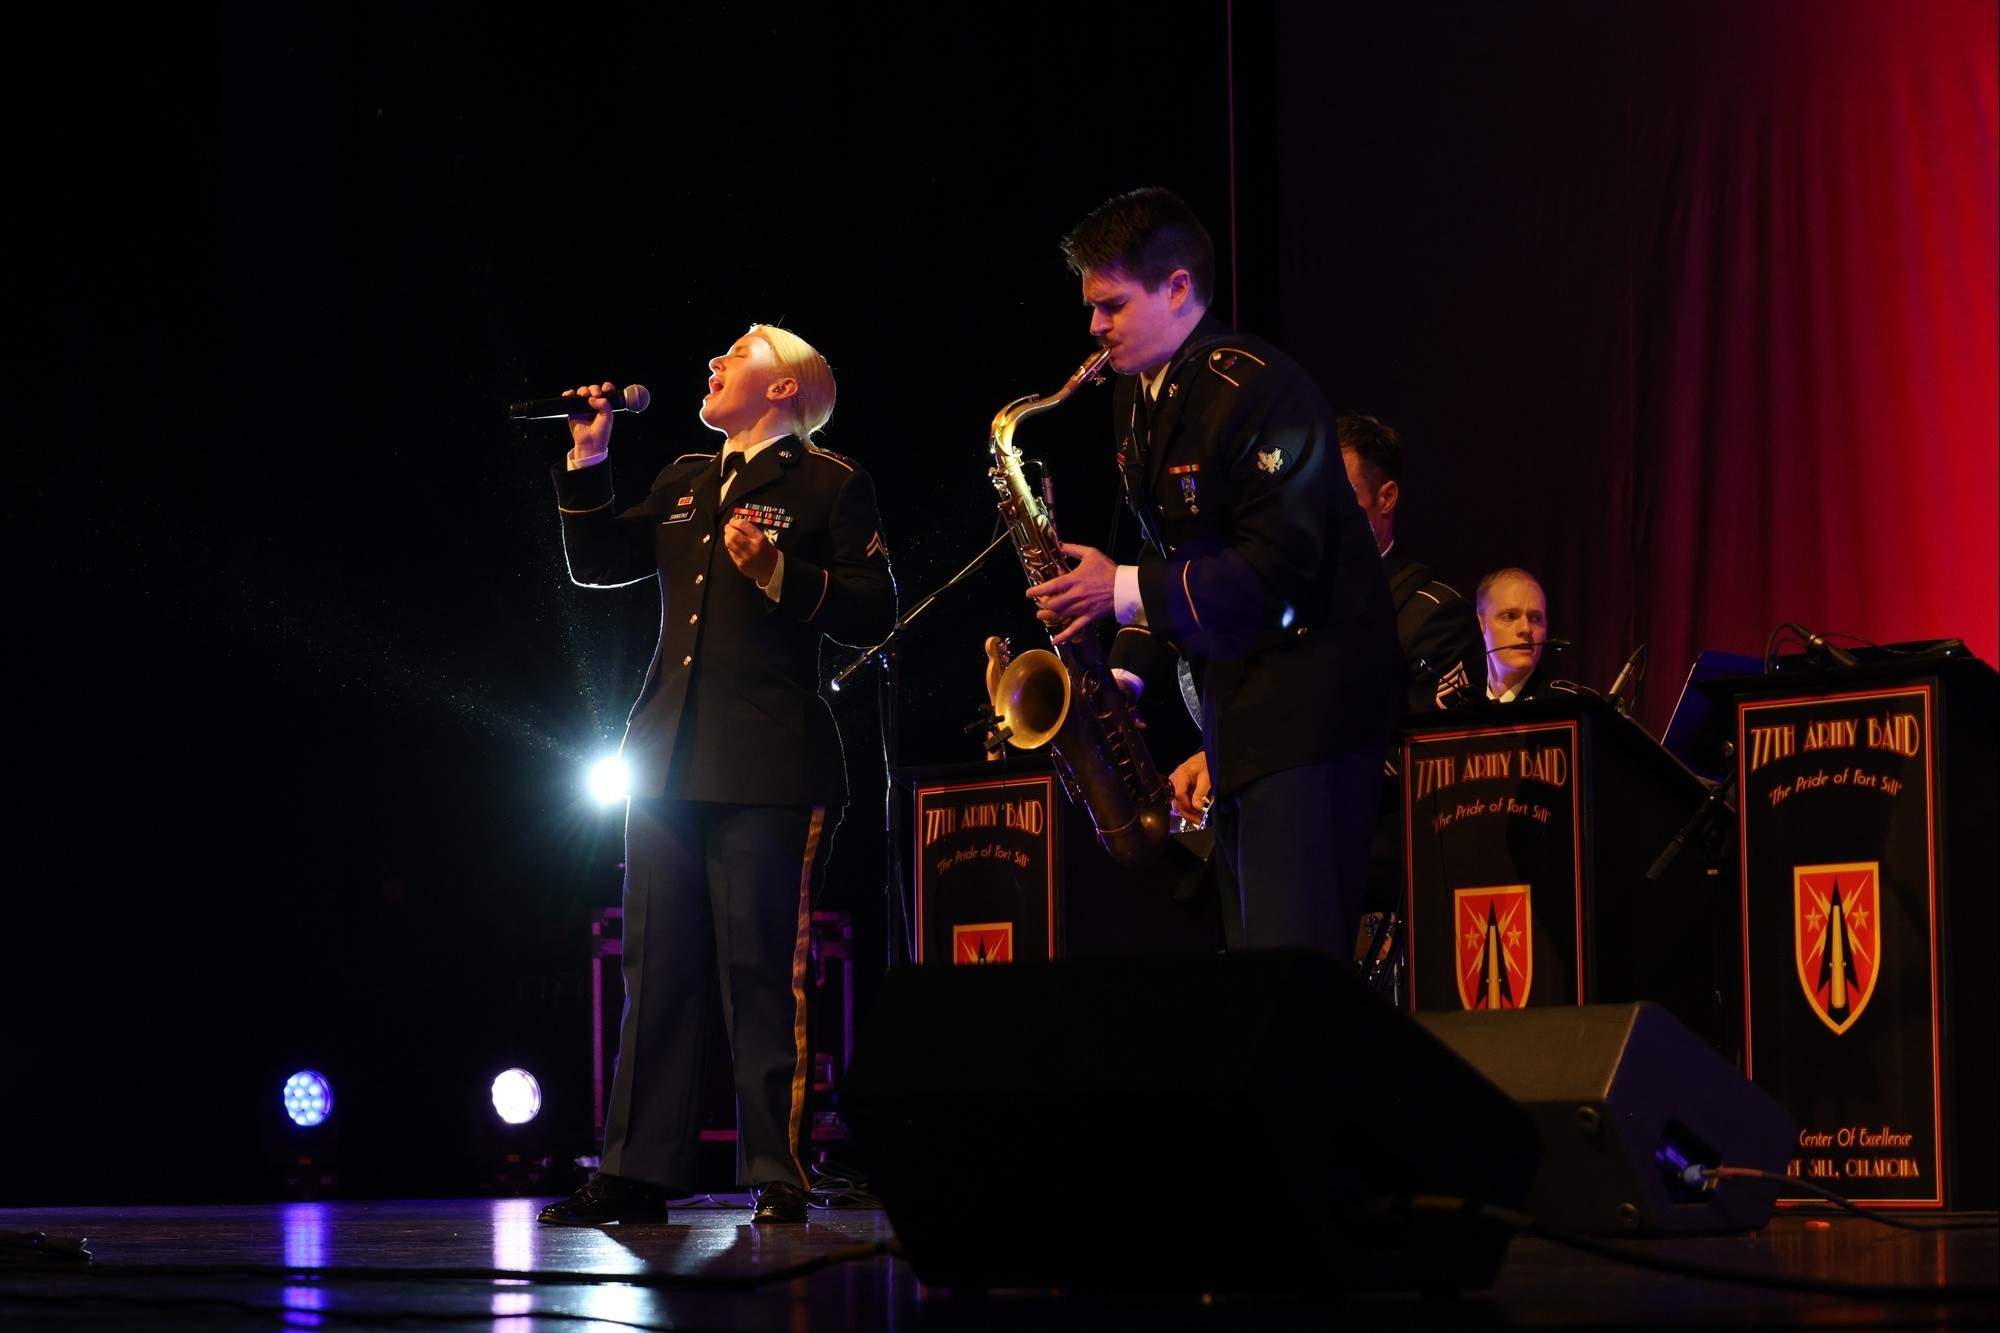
(610, 780)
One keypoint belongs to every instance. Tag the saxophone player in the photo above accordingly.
(1258, 571)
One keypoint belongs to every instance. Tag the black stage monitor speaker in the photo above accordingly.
(1233, 1122)
(1626, 1099)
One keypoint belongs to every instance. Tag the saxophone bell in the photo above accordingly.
(1032, 698)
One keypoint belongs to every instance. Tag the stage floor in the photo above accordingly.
(447, 1263)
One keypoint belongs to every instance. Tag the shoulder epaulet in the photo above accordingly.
(1440, 592)
(831, 456)
(674, 473)
(1231, 363)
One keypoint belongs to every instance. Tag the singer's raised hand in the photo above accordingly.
(590, 437)
(751, 550)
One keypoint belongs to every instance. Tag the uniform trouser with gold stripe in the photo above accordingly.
(714, 891)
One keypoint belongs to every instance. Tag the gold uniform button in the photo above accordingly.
(704, 539)
(687, 661)
(699, 577)
(696, 616)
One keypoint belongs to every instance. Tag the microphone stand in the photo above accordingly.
(1634, 671)
(1716, 796)
(904, 623)
(889, 654)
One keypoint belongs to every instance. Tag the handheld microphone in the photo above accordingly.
(1634, 670)
(631, 398)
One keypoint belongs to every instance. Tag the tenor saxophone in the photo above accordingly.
(1067, 698)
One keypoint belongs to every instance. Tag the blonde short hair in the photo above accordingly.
(812, 405)
(1510, 572)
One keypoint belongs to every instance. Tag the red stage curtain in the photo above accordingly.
(1688, 306)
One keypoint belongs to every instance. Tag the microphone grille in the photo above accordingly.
(637, 397)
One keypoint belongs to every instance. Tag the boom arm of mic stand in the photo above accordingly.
(902, 944)
(904, 622)
(1716, 795)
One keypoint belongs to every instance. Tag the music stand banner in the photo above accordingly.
(986, 869)
(1838, 820)
(1493, 846)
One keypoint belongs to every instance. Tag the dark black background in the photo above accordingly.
(306, 691)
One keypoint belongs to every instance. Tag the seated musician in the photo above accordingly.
(1513, 615)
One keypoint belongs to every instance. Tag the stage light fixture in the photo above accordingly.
(308, 1098)
(610, 780)
(517, 1097)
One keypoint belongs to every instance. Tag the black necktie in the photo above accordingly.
(1142, 430)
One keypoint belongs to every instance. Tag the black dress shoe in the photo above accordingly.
(608, 1199)
(779, 1201)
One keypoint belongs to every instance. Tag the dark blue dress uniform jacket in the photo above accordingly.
(1436, 626)
(731, 709)
(1259, 567)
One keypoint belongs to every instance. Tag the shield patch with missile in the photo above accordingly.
(1495, 946)
(988, 942)
(1837, 933)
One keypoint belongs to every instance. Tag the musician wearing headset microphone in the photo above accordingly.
(1259, 571)
(1513, 616)
(761, 549)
